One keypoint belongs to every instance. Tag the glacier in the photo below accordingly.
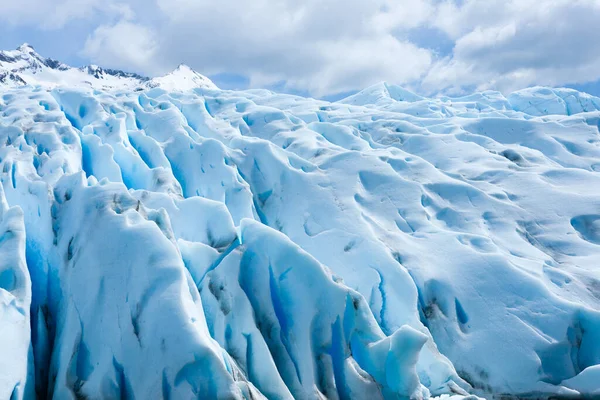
(168, 239)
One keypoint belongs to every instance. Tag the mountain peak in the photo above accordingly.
(24, 66)
(184, 68)
(182, 78)
(26, 48)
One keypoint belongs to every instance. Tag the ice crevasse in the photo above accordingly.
(249, 244)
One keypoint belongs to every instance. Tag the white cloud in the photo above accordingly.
(55, 14)
(123, 45)
(331, 46)
(513, 44)
(323, 47)
(351, 64)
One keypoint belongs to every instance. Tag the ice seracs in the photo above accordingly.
(549, 101)
(535, 101)
(381, 93)
(203, 243)
(15, 302)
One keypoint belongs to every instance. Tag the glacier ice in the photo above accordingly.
(15, 301)
(174, 243)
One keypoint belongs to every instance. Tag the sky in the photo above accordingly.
(324, 48)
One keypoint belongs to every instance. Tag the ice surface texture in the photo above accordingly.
(222, 244)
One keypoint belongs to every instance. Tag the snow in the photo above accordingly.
(181, 241)
(181, 79)
(24, 66)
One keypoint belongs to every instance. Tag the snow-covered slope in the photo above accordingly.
(24, 66)
(181, 79)
(222, 244)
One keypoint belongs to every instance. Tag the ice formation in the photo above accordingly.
(188, 242)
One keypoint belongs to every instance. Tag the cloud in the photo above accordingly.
(55, 14)
(322, 47)
(325, 47)
(124, 45)
(526, 43)
(351, 64)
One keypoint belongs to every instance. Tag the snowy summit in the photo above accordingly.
(163, 239)
(182, 78)
(24, 66)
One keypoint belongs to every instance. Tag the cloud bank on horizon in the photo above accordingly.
(326, 47)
